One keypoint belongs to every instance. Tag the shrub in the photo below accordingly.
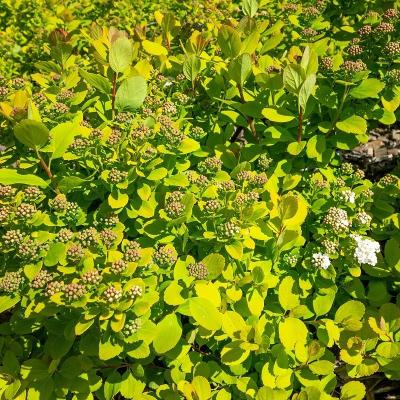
(175, 219)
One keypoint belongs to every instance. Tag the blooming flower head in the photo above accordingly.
(348, 196)
(366, 250)
(321, 261)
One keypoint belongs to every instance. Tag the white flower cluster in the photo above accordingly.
(320, 260)
(366, 250)
(348, 196)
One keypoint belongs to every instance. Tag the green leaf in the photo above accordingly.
(367, 88)
(31, 133)
(168, 333)
(6, 302)
(215, 264)
(205, 313)
(306, 90)
(191, 67)
(55, 253)
(353, 124)
(121, 54)
(62, 136)
(291, 332)
(353, 390)
(229, 41)
(12, 177)
(70, 182)
(239, 68)
(293, 78)
(97, 81)
(309, 61)
(131, 93)
(250, 7)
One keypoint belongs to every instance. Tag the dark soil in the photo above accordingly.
(381, 155)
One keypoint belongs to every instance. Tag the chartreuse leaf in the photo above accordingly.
(288, 294)
(201, 387)
(121, 54)
(31, 133)
(353, 124)
(367, 88)
(293, 210)
(6, 302)
(168, 333)
(62, 136)
(12, 177)
(349, 315)
(131, 93)
(277, 115)
(153, 48)
(353, 390)
(291, 332)
(215, 264)
(205, 313)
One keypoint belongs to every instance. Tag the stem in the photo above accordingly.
(336, 119)
(48, 172)
(114, 93)
(250, 120)
(300, 125)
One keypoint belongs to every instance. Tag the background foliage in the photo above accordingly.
(176, 222)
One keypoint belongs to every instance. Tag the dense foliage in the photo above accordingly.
(176, 222)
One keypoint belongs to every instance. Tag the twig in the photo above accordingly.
(48, 172)
(300, 126)
(250, 120)
(114, 93)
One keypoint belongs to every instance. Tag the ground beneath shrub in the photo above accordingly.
(380, 155)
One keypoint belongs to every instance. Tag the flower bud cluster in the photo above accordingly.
(91, 277)
(74, 291)
(32, 193)
(118, 267)
(337, 219)
(229, 229)
(134, 292)
(11, 282)
(131, 327)
(108, 237)
(116, 176)
(75, 253)
(64, 235)
(112, 294)
(164, 257)
(132, 251)
(264, 162)
(41, 279)
(198, 270)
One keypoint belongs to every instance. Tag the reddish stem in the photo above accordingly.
(300, 126)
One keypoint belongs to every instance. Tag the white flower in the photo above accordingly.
(365, 252)
(320, 260)
(348, 196)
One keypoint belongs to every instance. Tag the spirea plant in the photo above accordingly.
(175, 219)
